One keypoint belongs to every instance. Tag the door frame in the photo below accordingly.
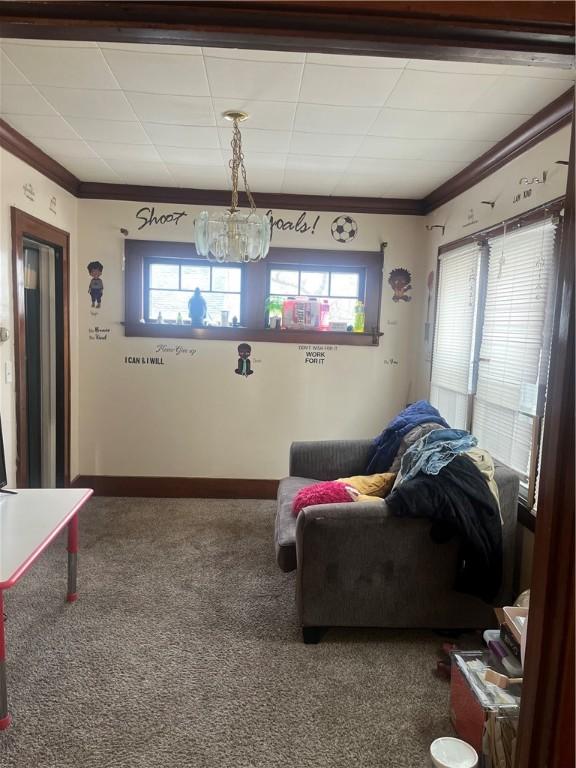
(26, 226)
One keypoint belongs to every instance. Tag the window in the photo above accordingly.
(340, 287)
(493, 337)
(160, 278)
(169, 284)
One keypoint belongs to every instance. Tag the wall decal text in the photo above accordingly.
(148, 217)
(132, 360)
(301, 225)
(177, 350)
(29, 192)
(316, 354)
(98, 334)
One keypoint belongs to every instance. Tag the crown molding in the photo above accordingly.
(13, 141)
(534, 33)
(554, 116)
(278, 201)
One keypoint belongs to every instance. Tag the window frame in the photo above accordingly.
(150, 260)
(554, 208)
(255, 286)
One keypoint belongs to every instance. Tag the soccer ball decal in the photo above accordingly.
(344, 229)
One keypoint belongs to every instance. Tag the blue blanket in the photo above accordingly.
(387, 444)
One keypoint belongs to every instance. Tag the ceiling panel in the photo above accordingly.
(130, 132)
(100, 105)
(63, 67)
(318, 124)
(178, 110)
(347, 86)
(158, 72)
(23, 100)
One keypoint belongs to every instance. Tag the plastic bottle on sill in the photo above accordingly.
(160, 319)
(359, 317)
(179, 319)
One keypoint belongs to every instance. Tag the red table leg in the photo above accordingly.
(72, 595)
(4, 716)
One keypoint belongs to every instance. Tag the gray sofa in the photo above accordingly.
(357, 565)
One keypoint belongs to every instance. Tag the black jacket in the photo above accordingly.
(459, 501)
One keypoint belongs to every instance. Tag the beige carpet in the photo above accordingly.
(183, 650)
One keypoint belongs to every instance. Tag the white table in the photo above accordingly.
(29, 521)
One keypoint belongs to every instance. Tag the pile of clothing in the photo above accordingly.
(445, 477)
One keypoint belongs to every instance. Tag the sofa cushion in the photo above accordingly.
(285, 531)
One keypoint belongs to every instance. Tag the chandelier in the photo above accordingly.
(234, 235)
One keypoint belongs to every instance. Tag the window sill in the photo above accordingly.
(217, 333)
(526, 517)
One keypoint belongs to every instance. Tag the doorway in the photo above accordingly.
(41, 340)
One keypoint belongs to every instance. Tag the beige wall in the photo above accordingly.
(193, 416)
(14, 176)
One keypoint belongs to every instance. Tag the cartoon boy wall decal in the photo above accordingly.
(399, 280)
(96, 287)
(244, 368)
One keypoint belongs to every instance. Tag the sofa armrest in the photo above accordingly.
(330, 459)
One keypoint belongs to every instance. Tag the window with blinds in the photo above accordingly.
(516, 337)
(455, 334)
(492, 341)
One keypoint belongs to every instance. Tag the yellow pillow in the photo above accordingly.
(371, 485)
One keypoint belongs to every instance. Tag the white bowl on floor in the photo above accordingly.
(448, 752)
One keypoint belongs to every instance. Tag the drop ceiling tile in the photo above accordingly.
(266, 179)
(179, 110)
(64, 67)
(261, 80)
(61, 148)
(541, 72)
(337, 145)
(207, 177)
(140, 172)
(101, 105)
(9, 74)
(367, 62)
(23, 100)
(254, 140)
(347, 86)
(183, 50)
(357, 185)
(475, 126)
(199, 157)
(259, 161)
(457, 67)
(306, 182)
(439, 91)
(41, 126)
(182, 135)
(50, 43)
(265, 115)
(249, 55)
(109, 130)
(423, 149)
(395, 168)
(109, 150)
(520, 95)
(159, 72)
(91, 169)
(318, 164)
(328, 119)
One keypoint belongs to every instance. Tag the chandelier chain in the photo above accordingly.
(237, 164)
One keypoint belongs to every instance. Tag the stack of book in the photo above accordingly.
(505, 643)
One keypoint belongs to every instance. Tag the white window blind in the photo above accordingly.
(454, 335)
(514, 353)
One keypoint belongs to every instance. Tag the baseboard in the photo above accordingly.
(178, 487)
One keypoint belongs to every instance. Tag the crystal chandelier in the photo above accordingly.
(234, 235)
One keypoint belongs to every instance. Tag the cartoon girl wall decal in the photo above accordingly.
(244, 368)
(96, 287)
(399, 280)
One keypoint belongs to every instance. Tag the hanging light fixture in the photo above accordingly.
(234, 235)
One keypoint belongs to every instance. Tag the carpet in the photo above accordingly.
(183, 650)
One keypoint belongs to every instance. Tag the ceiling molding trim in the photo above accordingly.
(13, 141)
(263, 200)
(511, 34)
(554, 116)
